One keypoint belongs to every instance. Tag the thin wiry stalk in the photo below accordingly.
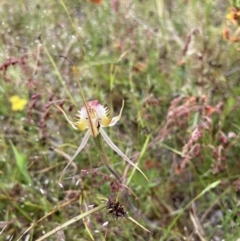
(58, 74)
(75, 72)
(104, 157)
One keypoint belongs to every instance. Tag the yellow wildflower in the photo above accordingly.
(18, 103)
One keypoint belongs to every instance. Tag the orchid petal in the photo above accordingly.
(89, 117)
(102, 113)
(82, 145)
(119, 152)
(105, 121)
(66, 117)
(100, 109)
(81, 125)
(83, 121)
(115, 119)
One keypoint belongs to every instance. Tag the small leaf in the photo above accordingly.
(21, 163)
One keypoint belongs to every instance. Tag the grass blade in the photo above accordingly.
(21, 161)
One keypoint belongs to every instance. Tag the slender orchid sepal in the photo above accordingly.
(115, 119)
(66, 117)
(81, 146)
(119, 152)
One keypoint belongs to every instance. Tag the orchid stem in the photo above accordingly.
(104, 157)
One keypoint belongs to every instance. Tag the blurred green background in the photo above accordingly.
(176, 65)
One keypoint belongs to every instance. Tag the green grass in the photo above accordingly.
(180, 81)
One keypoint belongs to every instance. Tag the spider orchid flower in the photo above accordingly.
(93, 117)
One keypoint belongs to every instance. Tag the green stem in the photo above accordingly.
(104, 157)
(73, 25)
(60, 79)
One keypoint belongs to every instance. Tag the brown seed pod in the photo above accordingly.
(116, 209)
